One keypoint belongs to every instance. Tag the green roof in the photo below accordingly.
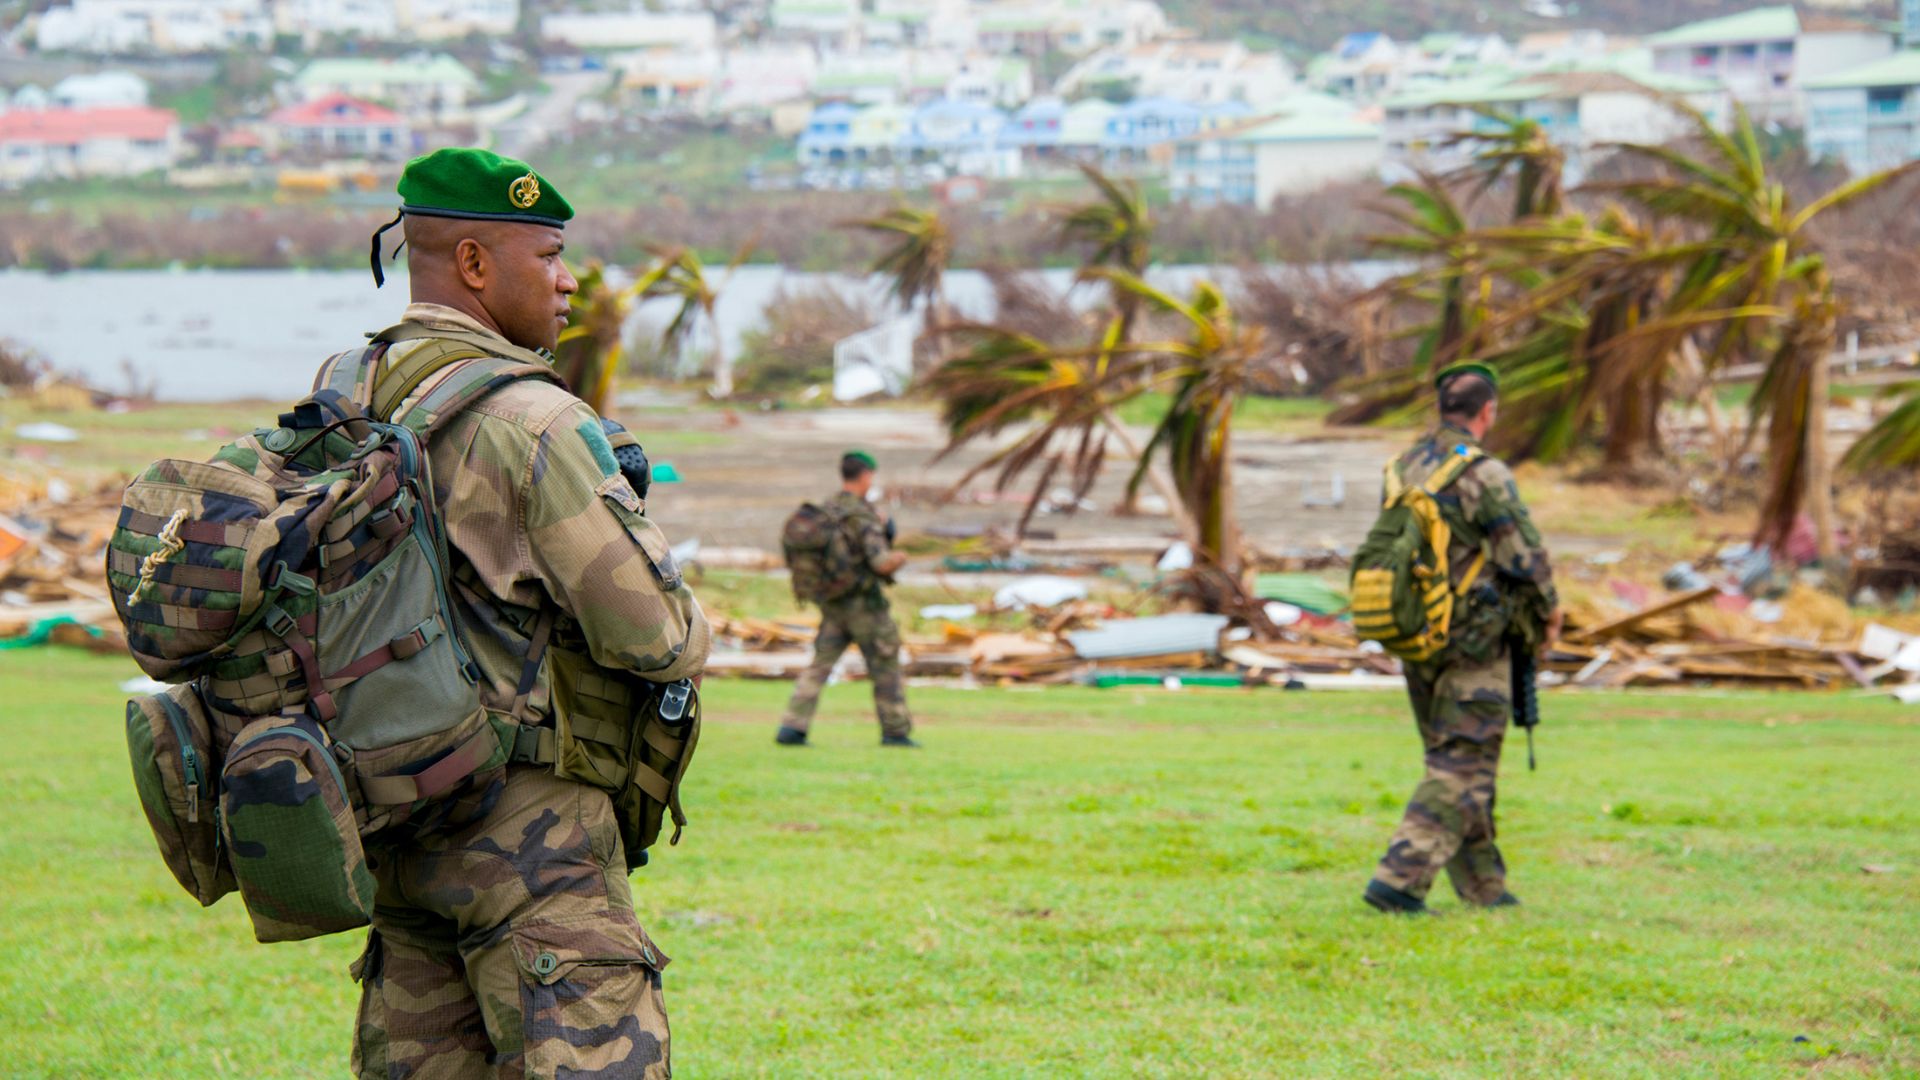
(1486, 89)
(1019, 24)
(351, 72)
(1307, 127)
(1760, 24)
(1438, 42)
(1900, 69)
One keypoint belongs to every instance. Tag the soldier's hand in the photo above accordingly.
(1555, 622)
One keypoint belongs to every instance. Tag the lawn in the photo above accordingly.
(1085, 883)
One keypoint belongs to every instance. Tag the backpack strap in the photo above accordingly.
(1462, 458)
(457, 381)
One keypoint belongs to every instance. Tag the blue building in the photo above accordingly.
(828, 139)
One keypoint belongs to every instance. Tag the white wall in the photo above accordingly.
(1825, 54)
(1291, 168)
(1626, 117)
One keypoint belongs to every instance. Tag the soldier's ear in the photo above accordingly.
(471, 260)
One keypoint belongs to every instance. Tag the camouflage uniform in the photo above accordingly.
(860, 618)
(504, 941)
(1461, 698)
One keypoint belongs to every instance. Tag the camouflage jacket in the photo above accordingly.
(865, 526)
(1484, 511)
(540, 518)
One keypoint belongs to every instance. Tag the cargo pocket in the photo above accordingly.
(170, 744)
(290, 833)
(626, 506)
(590, 999)
(593, 720)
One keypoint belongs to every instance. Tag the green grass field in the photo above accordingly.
(1085, 883)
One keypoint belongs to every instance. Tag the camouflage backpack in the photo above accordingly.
(1403, 591)
(295, 587)
(822, 557)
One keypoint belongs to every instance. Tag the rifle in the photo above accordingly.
(1525, 689)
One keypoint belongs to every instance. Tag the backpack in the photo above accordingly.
(824, 560)
(295, 589)
(1403, 593)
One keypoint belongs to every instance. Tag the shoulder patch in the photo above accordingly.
(596, 441)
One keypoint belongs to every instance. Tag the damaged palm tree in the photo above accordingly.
(678, 274)
(591, 348)
(1066, 400)
(916, 264)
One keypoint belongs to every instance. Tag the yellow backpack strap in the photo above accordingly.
(1391, 487)
(1458, 462)
(1462, 459)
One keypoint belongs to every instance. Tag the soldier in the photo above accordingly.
(1461, 697)
(504, 941)
(859, 618)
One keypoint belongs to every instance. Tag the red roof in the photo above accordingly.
(335, 110)
(68, 127)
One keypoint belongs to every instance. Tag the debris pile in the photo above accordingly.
(52, 587)
(1711, 634)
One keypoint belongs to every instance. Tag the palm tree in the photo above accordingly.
(678, 274)
(1523, 149)
(1894, 441)
(917, 262)
(1210, 372)
(1065, 396)
(1115, 231)
(1759, 271)
(592, 346)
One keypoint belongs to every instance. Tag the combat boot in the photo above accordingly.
(899, 740)
(1507, 899)
(787, 736)
(1383, 897)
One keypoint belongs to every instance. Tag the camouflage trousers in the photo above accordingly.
(1462, 708)
(854, 621)
(508, 947)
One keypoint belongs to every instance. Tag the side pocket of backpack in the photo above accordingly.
(290, 833)
(169, 745)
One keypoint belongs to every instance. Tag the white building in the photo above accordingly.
(106, 89)
(676, 80)
(639, 29)
(1559, 48)
(374, 20)
(1363, 66)
(430, 20)
(1006, 81)
(1192, 71)
(764, 76)
(1311, 142)
(163, 26)
(420, 86)
(1581, 111)
(339, 126)
(1868, 117)
(69, 144)
(1763, 56)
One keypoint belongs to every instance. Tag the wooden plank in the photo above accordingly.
(1628, 622)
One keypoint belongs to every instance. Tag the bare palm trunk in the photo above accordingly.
(1819, 464)
(1183, 521)
(722, 364)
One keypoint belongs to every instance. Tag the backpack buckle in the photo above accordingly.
(281, 624)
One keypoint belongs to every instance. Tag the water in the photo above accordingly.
(220, 335)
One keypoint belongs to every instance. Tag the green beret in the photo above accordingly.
(466, 182)
(863, 458)
(1493, 377)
